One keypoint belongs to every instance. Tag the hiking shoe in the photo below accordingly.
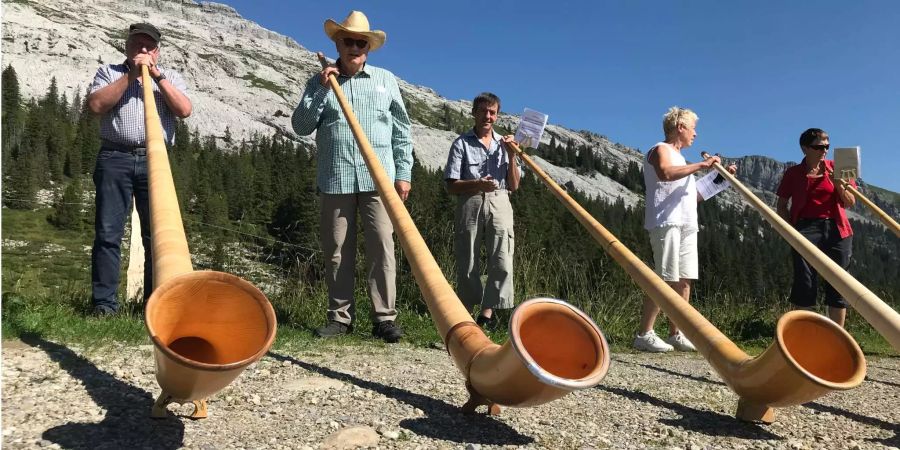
(681, 343)
(334, 328)
(650, 342)
(103, 311)
(388, 331)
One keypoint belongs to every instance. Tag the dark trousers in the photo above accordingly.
(824, 234)
(117, 176)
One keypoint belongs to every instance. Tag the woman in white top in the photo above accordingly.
(671, 221)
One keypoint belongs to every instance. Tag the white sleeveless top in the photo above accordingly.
(669, 202)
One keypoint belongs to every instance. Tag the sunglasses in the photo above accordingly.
(820, 147)
(360, 43)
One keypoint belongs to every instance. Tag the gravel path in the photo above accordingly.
(404, 397)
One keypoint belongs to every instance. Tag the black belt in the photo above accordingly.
(814, 219)
(114, 146)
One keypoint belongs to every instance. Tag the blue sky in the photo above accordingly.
(757, 73)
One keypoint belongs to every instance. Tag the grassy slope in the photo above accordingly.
(46, 290)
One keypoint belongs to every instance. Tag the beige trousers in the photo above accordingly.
(338, 235)
(487, 218)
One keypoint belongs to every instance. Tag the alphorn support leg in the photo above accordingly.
(159, 410)
(199, 409)
(754, 412)
(476, 400)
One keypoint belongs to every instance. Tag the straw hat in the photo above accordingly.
(358, 23)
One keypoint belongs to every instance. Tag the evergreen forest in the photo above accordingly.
(250, 207)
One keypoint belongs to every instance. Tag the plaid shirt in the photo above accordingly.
(470, 160)
(374, 95)
(124, 123)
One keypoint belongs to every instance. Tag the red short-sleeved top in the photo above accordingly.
(814, 197)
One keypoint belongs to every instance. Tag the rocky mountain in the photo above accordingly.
(247, 79)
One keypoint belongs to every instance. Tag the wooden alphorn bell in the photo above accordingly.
(554, 348)
(884, 319)
(810, 357)
(206, 326)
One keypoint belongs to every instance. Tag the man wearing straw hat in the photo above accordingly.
(482, 171)
(116, 95)
(343, 180)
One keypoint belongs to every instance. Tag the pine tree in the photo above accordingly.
(571, 158)
(67, 210)
(72, 165)
(50, 103)
(12, 121)
(21, 187)
(29, 164)
(56, 149)
(87, 138)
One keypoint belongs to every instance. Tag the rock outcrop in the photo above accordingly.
(247, 79)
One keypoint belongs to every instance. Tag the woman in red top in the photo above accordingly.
(817, 205)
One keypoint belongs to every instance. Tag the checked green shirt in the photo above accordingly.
(374, 95)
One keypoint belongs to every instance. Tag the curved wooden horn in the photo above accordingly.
(811, 355)
(553, 349)
(884, 319)
(206, 326)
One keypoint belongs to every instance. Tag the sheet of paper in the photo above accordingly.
(711, 184)
(846, 163)
(531, 128)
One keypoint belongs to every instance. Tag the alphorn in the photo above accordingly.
(884, 319)
(810, 357)
(206, 326)
(553, 347)
(887, 220)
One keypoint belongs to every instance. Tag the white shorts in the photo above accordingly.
(675, 252)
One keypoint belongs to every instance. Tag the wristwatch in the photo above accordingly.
(161, 77)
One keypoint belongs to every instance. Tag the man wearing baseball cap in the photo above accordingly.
(344, 181)
(116, 95)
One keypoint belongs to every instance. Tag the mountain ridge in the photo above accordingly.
(264, 75)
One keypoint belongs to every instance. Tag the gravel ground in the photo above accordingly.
(406, 397)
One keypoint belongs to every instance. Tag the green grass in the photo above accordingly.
(46, 291)
(262, 83)
(50, 263)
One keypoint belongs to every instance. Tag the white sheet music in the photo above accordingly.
(709, 185)
(531, 128)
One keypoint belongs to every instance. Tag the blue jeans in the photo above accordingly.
(118, 176)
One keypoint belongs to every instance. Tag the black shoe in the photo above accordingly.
(334, 328)
(103, 311)
(387, 330)
(487, 323)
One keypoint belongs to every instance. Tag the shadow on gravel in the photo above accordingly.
(127, 423)
(873, 366)
(697, 420)
(444, 421)
(870, 421)
(671, 372)
(887, 383)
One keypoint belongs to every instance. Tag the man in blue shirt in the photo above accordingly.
(121, 171)
(481, 171)
(344, 181)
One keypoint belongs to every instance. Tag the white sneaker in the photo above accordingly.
(650, 342)
(681, 343)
